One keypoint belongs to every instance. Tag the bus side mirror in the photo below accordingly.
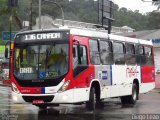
(6, 53)
(7, 49)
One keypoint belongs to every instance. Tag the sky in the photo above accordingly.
(143, 7)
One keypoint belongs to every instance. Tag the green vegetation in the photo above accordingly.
(79, 10)
(2, 48)
(2, 42)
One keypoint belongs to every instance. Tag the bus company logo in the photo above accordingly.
(42, 36)
(25, 91)
(102, 75)
(52, 90)
(37, 90)
(131, 72)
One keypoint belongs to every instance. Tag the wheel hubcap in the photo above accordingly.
(134, 95)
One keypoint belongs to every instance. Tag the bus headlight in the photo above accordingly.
(15, 89)
(64, 86)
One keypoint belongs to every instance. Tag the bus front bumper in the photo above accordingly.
(57, 98)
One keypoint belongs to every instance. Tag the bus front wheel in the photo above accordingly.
(91, 103)
(42, 107)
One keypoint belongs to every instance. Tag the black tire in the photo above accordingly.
(131, 99)
(42, 107)
(91, 103)
(98, 102)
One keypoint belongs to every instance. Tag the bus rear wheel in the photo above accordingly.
(131, 99)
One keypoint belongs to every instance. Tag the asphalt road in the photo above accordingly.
(147, 107)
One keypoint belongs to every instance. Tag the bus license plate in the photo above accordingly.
(37, 102)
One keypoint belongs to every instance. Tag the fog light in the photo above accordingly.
(65, 97)
(15, 98)
(15, 89)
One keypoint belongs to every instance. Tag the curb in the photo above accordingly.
(2, 85)
(156, 90)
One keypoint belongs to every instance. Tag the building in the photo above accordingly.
(48, 22)
(123, 29)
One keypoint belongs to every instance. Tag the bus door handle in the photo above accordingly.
(124, 85)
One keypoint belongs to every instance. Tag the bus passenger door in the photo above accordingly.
(81, 73)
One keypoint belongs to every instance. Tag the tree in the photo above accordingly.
(156, 3)
(134, 19)
(10, 10)
(153, 20)
(78, 10)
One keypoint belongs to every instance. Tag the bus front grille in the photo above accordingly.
(44, 98)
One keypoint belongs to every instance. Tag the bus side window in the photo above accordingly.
(94, 52)
(83, 55)
(130, 54)
(139, 51)
(148, 55)
(142, 55)
(106, 52)
(137, 55)
(75, 56)
(78, 67)
(118, 51)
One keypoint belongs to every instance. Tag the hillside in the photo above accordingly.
(78, 10)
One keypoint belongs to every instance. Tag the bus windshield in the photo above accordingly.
(33, 62)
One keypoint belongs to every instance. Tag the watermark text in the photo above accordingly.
(145, 116)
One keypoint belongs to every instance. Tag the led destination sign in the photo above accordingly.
(42, 36)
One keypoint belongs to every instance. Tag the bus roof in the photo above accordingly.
(89, 33)
(93, 33)
(131, 40)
